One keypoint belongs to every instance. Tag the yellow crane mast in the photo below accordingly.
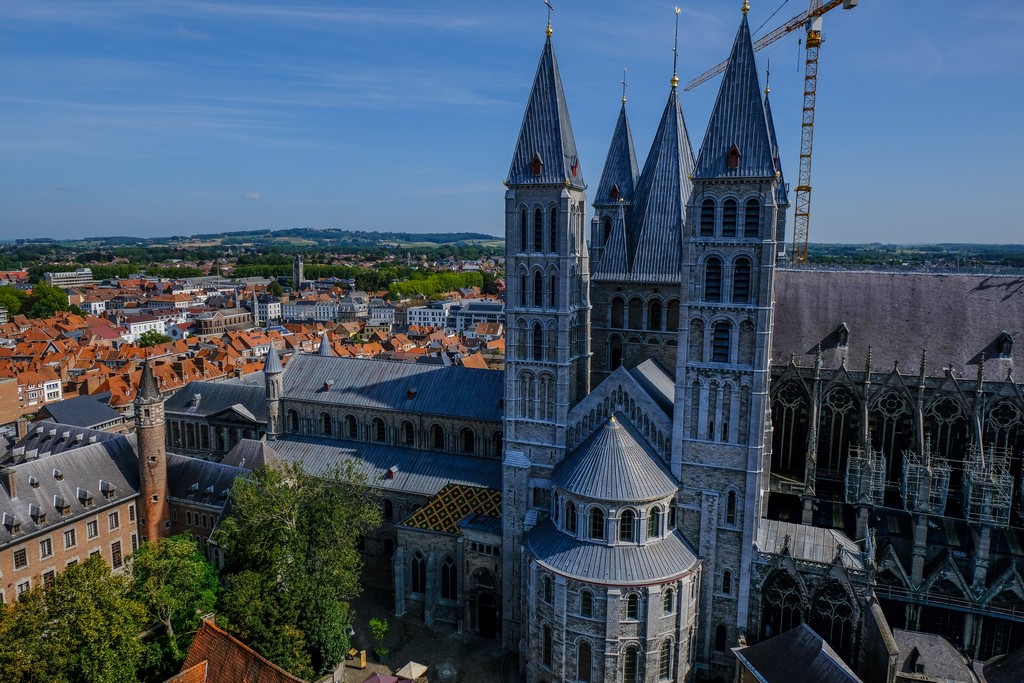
(810, 21)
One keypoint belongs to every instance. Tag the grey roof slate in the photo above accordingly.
(658, 384)
(273, 363)
(81, 471)
(324, 348)
(615, 464)
(420, 472)
(456, 391)
(251, 454)
(799, 654)
(614, 264)
(620, 168)
(147, 385)
(738, 119)
(809, 543)
(896, 316)
(781, 195)
(200, 481)
(546, 131)
(216, 397)
(47, 438)
(654, 229)
(938, 658)
(81, 411)
(623, 565)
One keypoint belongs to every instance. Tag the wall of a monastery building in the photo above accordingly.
(379, 545)
(423, 592)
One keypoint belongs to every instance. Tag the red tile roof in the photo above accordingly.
(229, 659)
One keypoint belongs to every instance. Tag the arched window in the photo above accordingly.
(389, 546)
(536, 165)
(538, 230)
(713, 279)
(522, 289)
(468, 440)
(325, 423)
(554, 291)
(632, 606)
(546, 650)
(707, 218)
(741, 281)
(627, 526)
(496, 444)
(570, 517)
(720, 638)
(630, 665)
(437, 437)
(730, 508)
(553, 228)
(618, 313)
(408, 434)
(729, 218)
(351, 429)
(584, 662)
(389, 510)
(538, 342)
(614, 352)
(379, 430)
(752, 218)
(523, 230)
(636, 314)
(727, 582)
(449, 579)
(720, 340)
(654, 316)
(586, 603)
(732, 159)
(419, 573)
(293, 421)
(549, 591)
(668, 601)
(597, 524)
(665, 661)
(538, 289)
(654, 523)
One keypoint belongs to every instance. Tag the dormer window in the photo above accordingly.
(732, 159)
(536, 166)
(614, 193)
(58, 475)
(62, 505)
(1004, 344)
(843, 336)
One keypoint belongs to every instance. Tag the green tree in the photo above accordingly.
(152, 338)
(45, 301)
(84, 629)
(291, 547)
(275, 288)
(176, 585)
(12, 299)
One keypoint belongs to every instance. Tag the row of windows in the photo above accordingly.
(540, 295)
(653, 315)
(630, 605)
(201, 520)
(531, 237)
(730, 223)
(597, 523)
(48, 577)
(20, 555)
(631, 659)
(449, 576)
(714, 280)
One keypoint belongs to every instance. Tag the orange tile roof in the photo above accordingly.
(229, 659)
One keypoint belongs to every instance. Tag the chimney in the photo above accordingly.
(7, 478)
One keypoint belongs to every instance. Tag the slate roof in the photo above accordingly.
(47, 438)
(452, 504)
(215, 397)
(654, 229)
(809, 543)
(799, 654)
(273, 362)
(896, 316)
(456, 392)
(546, 131)
(74, 476)
(781, 195)
(615, 464)
(738, 119)
(614, 264)
(939, 659)
(147, 385)
(81, 411)
(420, 472)
(325, 347)
(229, 659)
(658, 384)
(250, 454)
(624, 565)
(620, 168)
(200, 481)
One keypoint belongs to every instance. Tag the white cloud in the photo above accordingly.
(189, 34)
(252, 196)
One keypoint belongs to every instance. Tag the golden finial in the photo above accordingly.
(675, 53)
(746, 6)
(550, 10)
(623, 81)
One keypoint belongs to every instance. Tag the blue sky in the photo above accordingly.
(180, 116)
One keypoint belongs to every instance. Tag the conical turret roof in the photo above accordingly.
(614, 263)
(738, 120)
(273, 365)
(615, 465)
(781, 196)
(325, 346)
(620, 169)
(546, 134)
(148, 390)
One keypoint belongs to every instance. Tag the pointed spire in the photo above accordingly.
(781, 196)
(273, 365)
(546, 150)
(616, 259)
(147, 385)
(325, 346)
(737, 142)
(618, 179)
(675, 55)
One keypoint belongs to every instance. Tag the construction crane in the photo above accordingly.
(810, 21)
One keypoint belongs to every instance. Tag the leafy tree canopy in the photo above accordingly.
(152, 338)
(12, 299)
(45, 301)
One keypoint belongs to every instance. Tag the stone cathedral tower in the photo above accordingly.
(722, 375)
(150, 430)
(547, 367)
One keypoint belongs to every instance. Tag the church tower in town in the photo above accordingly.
(547, 367)
(150, 430)
(721, 419)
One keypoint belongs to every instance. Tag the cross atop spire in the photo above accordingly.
(551, 9)
(675, 53)
(623, 81)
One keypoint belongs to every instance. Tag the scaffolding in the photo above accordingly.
(925, 482)
(865, 476)
(988, 486)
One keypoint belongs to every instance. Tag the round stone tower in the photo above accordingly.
(150, 430)
(273, 372)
